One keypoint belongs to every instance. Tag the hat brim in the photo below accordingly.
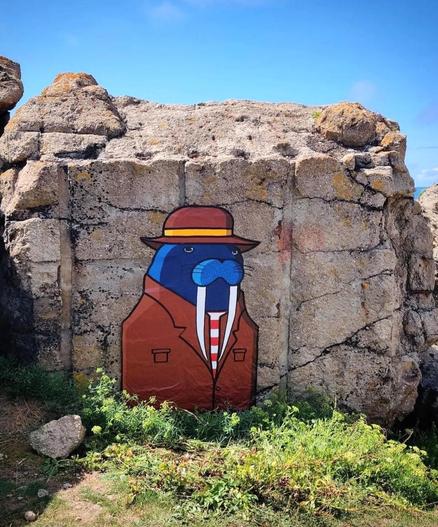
(242, 243)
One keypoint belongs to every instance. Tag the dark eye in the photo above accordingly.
(188, 249)
(235, 252)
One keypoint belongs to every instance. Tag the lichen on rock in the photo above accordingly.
(354, 126)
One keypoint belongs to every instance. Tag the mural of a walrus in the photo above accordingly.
(189, 339)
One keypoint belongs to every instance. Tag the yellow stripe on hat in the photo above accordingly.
(198, 232)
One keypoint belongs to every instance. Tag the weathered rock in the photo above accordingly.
(16, 147)
(11, 87)
(58, 438)
(341, 285)
(69, 82)
(352, 125)
(57, 145)
(36, 186)
(391, 384)
(395, 141)
(428, 400)
(30, 516)
(425, 272)
(322, 176)
(73, 104)
(429, 203)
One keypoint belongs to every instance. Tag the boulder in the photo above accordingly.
(74, 103)
(341, 285)
(353, 125)
(428, 401)
(429, 203)
(11, 87)
(58, 438)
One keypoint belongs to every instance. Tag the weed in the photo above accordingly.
(307, 456)
(56, 389)
(427, 440)
(277, 460)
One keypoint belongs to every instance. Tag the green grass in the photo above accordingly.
(6, 487)
(57, 390)
(277, 464)
(427, 440)
(306, 458)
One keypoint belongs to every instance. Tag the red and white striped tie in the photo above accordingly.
(214, 338)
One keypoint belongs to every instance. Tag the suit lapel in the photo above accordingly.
(182, 313)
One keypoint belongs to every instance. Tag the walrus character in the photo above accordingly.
(190, 339)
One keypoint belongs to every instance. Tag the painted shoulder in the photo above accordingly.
(148, 311)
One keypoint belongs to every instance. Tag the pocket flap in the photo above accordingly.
(161, 355)
(239, 354)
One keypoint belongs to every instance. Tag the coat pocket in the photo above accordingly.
(161, 355)
(239, 354)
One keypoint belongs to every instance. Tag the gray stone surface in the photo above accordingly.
(82, 107)
(11, 87)
(58, 438)
(341, 285)
(429, 203)
(425, 272)
(353, 125)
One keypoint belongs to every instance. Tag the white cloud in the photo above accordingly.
(426, 177)
(71, 40)
(215, 3)
(166, 11)
(176, 10)
(429, 114)
(363, 91)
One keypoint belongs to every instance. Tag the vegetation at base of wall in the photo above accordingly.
(277, 456)
(277, 460)
(56, 389)
(112, 416)
(427, 440)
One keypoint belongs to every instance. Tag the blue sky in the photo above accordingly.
(383, 54)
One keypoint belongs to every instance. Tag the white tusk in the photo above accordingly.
(200, 317)
(232, 303)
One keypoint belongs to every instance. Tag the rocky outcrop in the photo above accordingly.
(352, 125)
(11, 88)
(342, 281)
(427, 403)
(58, 438)
(429, 202)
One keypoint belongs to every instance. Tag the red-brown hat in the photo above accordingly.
(195, 224)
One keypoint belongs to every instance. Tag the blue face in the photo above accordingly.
(182, 268)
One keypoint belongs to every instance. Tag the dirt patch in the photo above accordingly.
(80, 500)
(19, 416)
(22, 472)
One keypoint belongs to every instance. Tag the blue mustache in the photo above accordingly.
(207, 271)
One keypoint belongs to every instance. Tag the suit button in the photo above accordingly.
(218, 388)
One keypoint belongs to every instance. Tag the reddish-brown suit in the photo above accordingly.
(161, 355)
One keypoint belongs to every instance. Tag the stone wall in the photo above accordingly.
(342, 281)
(11, 91)
(429, 203)
(427, 403)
